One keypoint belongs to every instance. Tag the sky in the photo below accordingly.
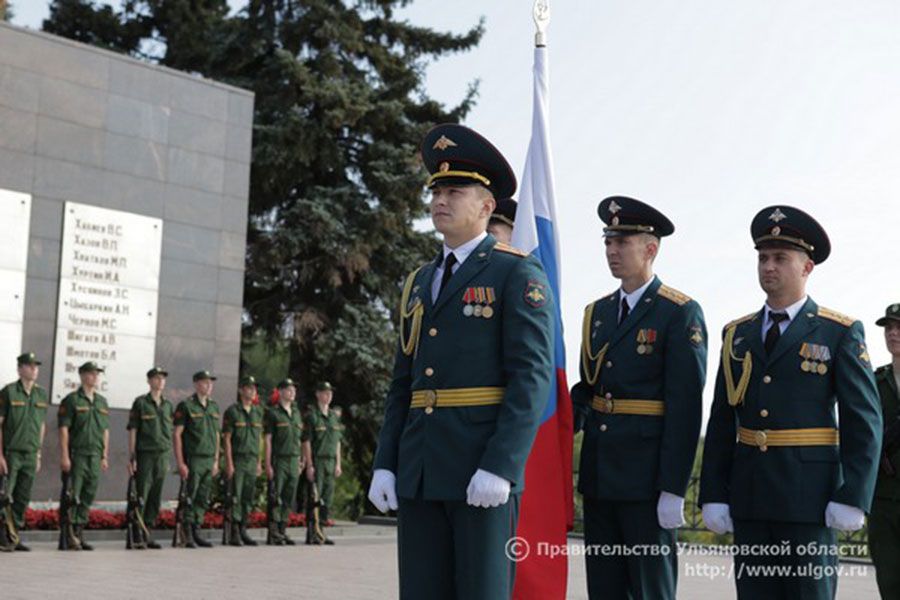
(709, 111)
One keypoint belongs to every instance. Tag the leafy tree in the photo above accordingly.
(336, 181)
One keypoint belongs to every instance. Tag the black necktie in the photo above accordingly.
(774, 331)
(448, 271)
(625, 309)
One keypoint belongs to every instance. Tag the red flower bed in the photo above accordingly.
(104, 519)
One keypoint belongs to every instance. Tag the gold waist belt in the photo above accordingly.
(476, 396)
(812, 436)
(616, 406)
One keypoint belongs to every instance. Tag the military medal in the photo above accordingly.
(824, 356)
(646, 338)
(805, 366)
(468, 298)
(488, 311)
(478, 309)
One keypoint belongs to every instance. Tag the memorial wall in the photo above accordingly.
(123, 200)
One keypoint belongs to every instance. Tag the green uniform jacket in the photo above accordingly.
(323, 432)
(512, 349)
(23, 414)
(86, 421)
(153, 424)
(795, 483)
(286, 430)
(634, 457)
(201, 427)
(888, 486)
(245, 429)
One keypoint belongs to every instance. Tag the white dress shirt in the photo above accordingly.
(791, 311)
(633, 298)
(461, 252)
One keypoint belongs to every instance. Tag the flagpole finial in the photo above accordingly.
(541, 13)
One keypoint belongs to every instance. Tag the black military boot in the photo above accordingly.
(236, 539)
(151, 543)
(282, 531)
(20, 547)
(198, 539)
(245, 536)
(273, 537)
(79, 533)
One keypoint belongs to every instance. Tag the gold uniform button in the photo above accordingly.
(429, 371)
(603, 427)
(429, 410)
(764, 413)
(608, 396)
(432, 332)
(608, 364)
(767, 379)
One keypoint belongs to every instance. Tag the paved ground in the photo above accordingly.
(362, 566)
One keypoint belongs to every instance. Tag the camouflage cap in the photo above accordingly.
(891, 313)
(29, 358)
(201, 375)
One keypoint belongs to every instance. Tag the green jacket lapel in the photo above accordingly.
(474, 264)
(800, 327)
(634, 317)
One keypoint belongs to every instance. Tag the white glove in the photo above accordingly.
(383, 491)
(670, 510)
(844, 517)
(487, 490)
(717, 517)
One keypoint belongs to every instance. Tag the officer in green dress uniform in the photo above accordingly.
(196, 442)
(241, 436)
(284, 431)
(639, 401)
(471, 379)
(502, 220)
(149, 444)
(884, 521)
(322, 434)
(777, 469)
(23, 406)
(83, 420)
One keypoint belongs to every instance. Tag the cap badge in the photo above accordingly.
(614, 208)
(444, 167)
(776, 230)
(443, 143)
(777, 216)
(615, 221)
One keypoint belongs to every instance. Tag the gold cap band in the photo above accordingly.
(466, 174)
(785, 238)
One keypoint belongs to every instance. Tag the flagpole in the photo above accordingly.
(541, 14)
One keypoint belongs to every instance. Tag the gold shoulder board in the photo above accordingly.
(503, 247)
(740, 320)
(673, 295)
(833, 315)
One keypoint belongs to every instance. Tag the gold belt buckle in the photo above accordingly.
(430, 401)
(761, 439)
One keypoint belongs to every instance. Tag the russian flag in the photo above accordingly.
(547, 512)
